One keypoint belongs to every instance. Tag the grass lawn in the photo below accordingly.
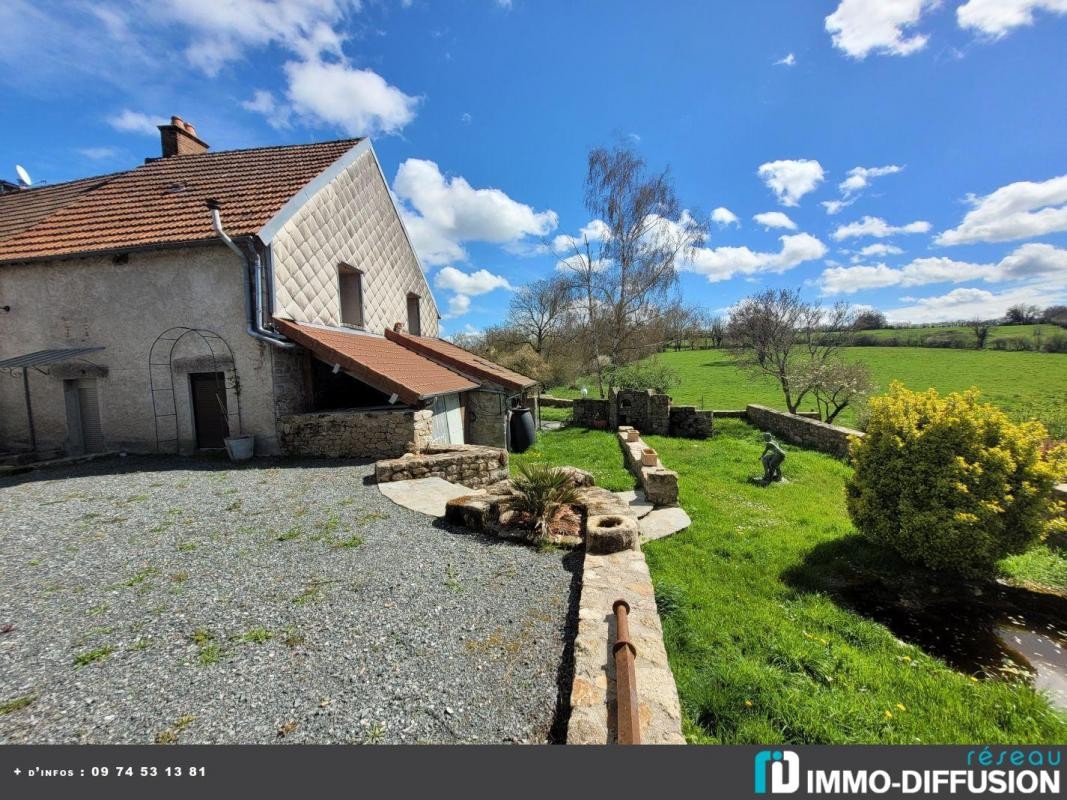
(761, 656)
(1026, 385)
(594, 451)
(1034, 333)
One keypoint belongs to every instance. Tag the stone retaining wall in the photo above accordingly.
(606, 578)
(660, 484)
(353, 433)
(802, 430)
(467, 464)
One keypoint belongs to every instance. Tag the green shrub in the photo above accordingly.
(648, 374)
(540, 492)
(951, 483)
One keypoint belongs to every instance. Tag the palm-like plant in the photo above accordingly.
(540, 492)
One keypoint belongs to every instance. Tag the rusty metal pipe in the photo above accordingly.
(628, 725)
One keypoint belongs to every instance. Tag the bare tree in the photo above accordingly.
(626, 277)
(981, 329)
(835, 384)
(717, 331)
(537, 311)
(776, 333)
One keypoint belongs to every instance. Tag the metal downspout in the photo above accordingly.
(253, 286)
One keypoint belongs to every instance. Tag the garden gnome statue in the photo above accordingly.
(772, 459)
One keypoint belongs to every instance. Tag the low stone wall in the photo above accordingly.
(687, 422)
(606, 578)
(660, 484)
(732, 413)
(353, 433)
(466, 464)
(555, 402)
(644, 409)
(801, 430)
(589, 412)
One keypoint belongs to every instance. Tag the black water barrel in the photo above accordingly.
(523, 433)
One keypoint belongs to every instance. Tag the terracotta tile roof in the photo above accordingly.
(161, 202)
(381, 363)
(463, 360)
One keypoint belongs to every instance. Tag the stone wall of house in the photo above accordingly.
(804, 431)
(687, 422)
(291, 371)
(466, 464)
(486, 418)
(589, 411)
(643, 409)
(354, 433)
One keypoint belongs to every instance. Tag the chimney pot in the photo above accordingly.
(179, 139)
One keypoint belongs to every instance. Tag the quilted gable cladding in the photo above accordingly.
(351, 220)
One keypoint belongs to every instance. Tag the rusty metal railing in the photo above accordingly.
(627, 723)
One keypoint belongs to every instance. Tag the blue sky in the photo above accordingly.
(934, 130)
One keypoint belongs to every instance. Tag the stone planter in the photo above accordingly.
(649, 457)
(633, 435)
(610, 533)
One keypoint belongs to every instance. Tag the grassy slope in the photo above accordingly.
(1027, 385)
(759, 661)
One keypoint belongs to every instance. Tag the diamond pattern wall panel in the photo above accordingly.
(351, 221)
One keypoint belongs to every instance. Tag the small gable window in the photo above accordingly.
(414, 317)
(350, 292)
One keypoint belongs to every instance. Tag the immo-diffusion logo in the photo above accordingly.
(783, 766)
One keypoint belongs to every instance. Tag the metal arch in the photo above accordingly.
(161, 387)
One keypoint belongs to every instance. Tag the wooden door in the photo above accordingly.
(209, 409)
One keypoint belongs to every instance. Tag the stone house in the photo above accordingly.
(271, 292)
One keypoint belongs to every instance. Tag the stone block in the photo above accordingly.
(473, 511)
(610, 533)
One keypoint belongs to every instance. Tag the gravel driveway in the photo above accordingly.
(177, 600)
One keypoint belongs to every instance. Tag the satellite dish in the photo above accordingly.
(24, 176)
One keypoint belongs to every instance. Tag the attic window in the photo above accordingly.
(414, 315)
(350, 294)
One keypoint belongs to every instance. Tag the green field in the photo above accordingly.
(1031, 332)
(1026, 385)
(760, 650)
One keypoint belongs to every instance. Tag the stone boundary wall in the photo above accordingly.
(802, 430)
(732, 413)
(606, 578)
(588, 411)
(354, 433)
(467, 464)
(555, 402)
(660, 484)
(688, 423)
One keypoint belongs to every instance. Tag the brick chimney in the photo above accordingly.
(180, 139)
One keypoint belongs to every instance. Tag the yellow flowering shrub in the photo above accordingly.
(950, 482)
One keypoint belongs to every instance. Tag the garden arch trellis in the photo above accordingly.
(161, 380)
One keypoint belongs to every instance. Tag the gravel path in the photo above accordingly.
(189, 601)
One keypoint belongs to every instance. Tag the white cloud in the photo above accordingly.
(470, 283)
(791, 179)
(775, 219)
(722, 263)
(1015, 211)
(788, 61)
(458, 305)
(997, 17)
(859, 178)
(136, 122)
(878, 249)
(359, 101)
(860, 27)
(442, 213)
(595, 230)
(723, 216)
(98, 153)
(1027, 262)
(968, 303)
(466, 118)
(835, 206)
(878, 228)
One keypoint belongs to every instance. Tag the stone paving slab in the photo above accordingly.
(663, 522)
(425, 495)
(637, 502)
